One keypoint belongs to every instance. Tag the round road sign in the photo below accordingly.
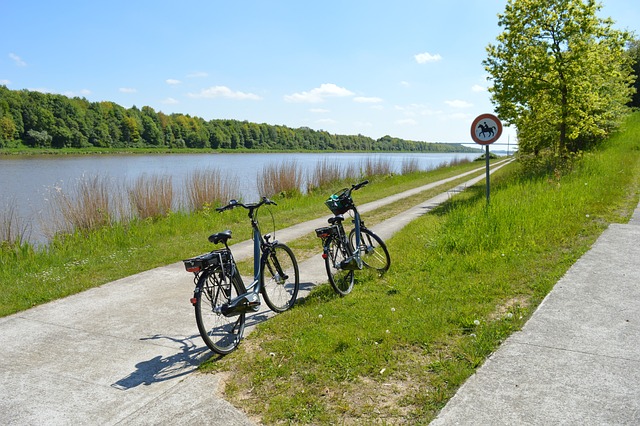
(486, 129)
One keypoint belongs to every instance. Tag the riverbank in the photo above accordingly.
(80, 261)
(27, 151)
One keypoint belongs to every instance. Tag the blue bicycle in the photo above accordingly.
(221, 299)
(343, 254)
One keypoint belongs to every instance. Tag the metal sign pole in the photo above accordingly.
(488, 174)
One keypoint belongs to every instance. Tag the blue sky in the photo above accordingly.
(409, 69)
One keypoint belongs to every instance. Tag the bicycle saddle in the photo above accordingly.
(337, 218)
(220, 237)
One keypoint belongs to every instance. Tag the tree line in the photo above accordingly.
(44, 120)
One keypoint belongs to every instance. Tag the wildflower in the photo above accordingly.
(320, 316)
(476, 322)
(509, 315)
(393, 309)
(382, 371)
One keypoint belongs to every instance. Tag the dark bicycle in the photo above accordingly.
(221, 299)
(339, 249)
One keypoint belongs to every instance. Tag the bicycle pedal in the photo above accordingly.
(351, 264)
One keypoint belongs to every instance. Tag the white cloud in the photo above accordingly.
(83, 92)
(423, 58)
(127, 90)
(365, 100)
(18, 60)
(405, 84)
(458, 104)
(363, 124)
(197, 74)
(406, 122)
(172, 81)
(478, 88)
(170, 101)
(319, 110)
(319, 94)
(5, 82)
(224, 92)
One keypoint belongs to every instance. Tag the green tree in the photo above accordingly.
(634, 54)
(559, 73)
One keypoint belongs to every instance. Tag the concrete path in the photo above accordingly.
(577, 360)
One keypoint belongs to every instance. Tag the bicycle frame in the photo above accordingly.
(251, 301)
(260, 251)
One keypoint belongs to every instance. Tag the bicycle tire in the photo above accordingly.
(279, 278)
(340, 279)
(221, 334)
(373, 251)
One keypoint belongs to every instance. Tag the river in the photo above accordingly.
(26, 181)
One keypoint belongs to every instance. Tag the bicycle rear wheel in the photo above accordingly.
(340, 279)
(221, 334)
(279, 278)
(373, 251)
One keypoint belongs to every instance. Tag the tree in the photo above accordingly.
(559, 73)
(634, 54)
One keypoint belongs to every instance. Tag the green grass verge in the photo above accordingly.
(463, 278)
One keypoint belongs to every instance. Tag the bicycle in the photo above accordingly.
(338, 250)
(220, 298)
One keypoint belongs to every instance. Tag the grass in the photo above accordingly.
(463, 278)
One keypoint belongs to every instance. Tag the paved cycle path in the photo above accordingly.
(126, 352)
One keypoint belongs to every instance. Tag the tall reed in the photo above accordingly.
(85, 207)
(13, 229)
(324, 174)
(376, 167)
(206, 187)
(283, 179)
(409, 165)
(151, 196)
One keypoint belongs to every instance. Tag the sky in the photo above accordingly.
(408, 69)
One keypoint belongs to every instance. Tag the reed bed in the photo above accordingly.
(376, 167)
(85, 207)
(284, 179)
(324, 174)
(208, 187)
(13, 229)
(151, 196)
(409, 165)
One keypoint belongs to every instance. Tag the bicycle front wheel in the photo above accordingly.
(373, 251)
(336, 251)
(221, 334)
(279, 278)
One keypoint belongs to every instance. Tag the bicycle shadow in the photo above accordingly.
(162, 368)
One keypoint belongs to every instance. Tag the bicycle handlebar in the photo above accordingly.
(359, 185)
(251, 206)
